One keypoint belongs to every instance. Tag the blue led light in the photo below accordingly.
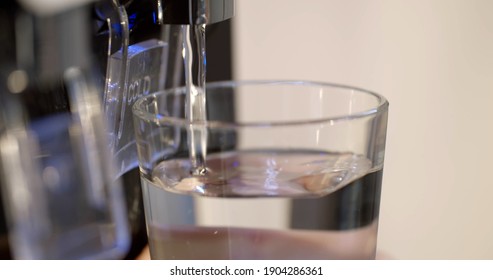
(131, 20)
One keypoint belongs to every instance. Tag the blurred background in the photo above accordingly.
(433, 60)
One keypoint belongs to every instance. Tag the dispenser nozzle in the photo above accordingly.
(194, 11)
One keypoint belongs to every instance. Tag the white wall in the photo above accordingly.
(433, 60)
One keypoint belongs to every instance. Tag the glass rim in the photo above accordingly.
(380, 107)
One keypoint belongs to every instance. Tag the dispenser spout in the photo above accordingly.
(194, 11)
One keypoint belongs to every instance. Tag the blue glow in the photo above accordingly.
(131, 20)
(154, 16)
(134, 49)
(117, 27)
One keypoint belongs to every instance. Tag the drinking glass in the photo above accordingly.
(291, 170)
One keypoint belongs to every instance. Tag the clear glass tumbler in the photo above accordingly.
(291, 170)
